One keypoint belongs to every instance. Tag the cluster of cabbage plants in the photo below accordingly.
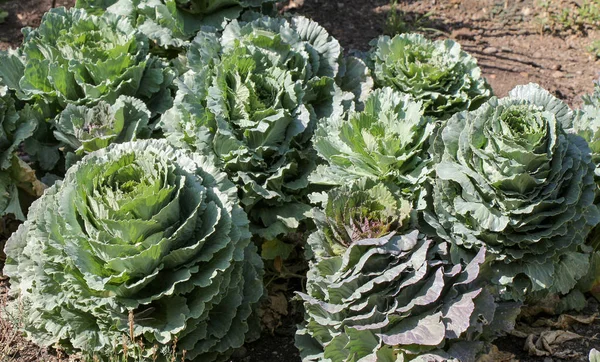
(171, 140)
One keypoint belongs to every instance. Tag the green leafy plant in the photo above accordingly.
(446, 79)
(386, 141)
(139, 240)
(379, 290)
(587, 125)
(80, 59)
(16, 177)
(171, 24)
(594, 48)
(556, 16)
(83, 129)
(252, 98)
(400, 22)
(511, 179)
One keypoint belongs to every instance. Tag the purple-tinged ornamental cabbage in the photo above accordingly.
(379, 290)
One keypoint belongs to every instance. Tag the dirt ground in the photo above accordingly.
(506, 38)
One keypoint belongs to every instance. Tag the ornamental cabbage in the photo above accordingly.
(173, 23)
(137, 230)
(378, 295)
(84, 129)
(252, 98)
(386, 141)
(81, 59)
(446, 79)
(15, 127)
(511, 180)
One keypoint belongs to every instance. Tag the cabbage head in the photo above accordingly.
(511, 180)
(84, 129)
(390, 293)
(441, 75)
(137, 230)
(386, 141)
(171, 24)
(252, 98)
(80, 59)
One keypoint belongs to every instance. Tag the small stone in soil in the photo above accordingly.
(490, 50)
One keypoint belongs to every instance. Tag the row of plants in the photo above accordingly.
(170, 144)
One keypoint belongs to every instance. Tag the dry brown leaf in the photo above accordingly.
(279, 303)
(546, 342)
(291, 5)
(532, 349)
(565, 321)
(495, 355)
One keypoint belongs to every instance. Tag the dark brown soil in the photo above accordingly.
(505, 37)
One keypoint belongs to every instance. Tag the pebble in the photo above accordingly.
(557, 74)
(524, 74)
(537, 55)
(490, 50)
(556, 67)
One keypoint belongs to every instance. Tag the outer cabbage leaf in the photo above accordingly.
(390, 297)
(81, 59)
(510, 179)
(84, 129)
(594, 355)
(386, 141)
(446, 79)
(138, 229)
(252, 99)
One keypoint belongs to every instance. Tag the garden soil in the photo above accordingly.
(507, 38)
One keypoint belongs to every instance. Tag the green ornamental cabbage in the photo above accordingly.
(138, 230)
(376, 295)
(252, 98)
(15, 127)
(386, 141)
(81, 59)
(438, 73)
(510, 179)
(84, 129)
(173, 23)
(587, 125)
